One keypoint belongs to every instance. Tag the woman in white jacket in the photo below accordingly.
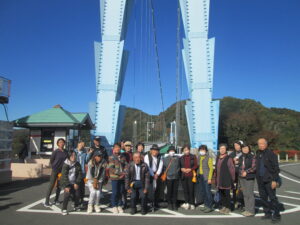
(96, 177)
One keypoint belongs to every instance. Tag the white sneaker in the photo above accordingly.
(90, 208)
(192, 207)
(120, 209)
(115, 210)
(184, 205)
(187, 206)
(64, 212)
(97, 209)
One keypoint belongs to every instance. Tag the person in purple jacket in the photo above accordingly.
(224, 176)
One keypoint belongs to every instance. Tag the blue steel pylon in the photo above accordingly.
(198, 56)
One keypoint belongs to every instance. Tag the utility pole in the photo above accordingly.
(150, 125)
(134, 136)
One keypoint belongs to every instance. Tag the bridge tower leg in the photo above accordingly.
(110, 66)
(198, 57)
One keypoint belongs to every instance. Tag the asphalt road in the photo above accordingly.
(21, 203)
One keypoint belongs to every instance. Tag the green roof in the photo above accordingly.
(164, 149)
(56, 116)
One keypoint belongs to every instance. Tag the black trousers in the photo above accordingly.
(266, 193)
(136, 194)
(225, 197)
(188, 189)
(82, 190)
(75, 196)
(53, 178)
(172, 190)
(154, 194)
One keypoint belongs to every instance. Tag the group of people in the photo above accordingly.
(143, 176)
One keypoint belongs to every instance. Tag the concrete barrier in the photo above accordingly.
(27, 170)
(44, 162)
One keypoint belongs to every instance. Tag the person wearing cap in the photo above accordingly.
(172, 168)
(117, 164)
(204, 177)
(128, 151)
(97, 147)
(155, 164)
(137, 180)
(188, 165)
(96, 178)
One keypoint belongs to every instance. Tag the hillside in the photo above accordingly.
(243, 119)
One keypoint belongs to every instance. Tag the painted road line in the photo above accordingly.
(284, 196)
(292, 164)
(172, 212)
(293, 192)
(288, 178)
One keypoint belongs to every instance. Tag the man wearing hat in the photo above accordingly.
(172, 169)
(98, 147)
(155, 164)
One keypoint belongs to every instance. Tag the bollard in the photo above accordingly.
(296, 158)
(287, 157)
(278, 157)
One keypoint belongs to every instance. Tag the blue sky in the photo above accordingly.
(46, 49)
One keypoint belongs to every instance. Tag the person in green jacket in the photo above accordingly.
(71, 177)
(205, 173)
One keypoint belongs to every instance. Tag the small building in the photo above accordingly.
(6, 133)
(48, 126)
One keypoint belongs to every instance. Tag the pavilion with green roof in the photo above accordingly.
(47, 126)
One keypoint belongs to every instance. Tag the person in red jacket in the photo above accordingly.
(188, 165)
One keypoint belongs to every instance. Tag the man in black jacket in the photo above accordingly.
(137, 180)
(267, 174)
(98, 147)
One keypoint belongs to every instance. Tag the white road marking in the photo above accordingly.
(172, 212)
(56, 210)
(288, 178)
(283, 196)
(293, 192)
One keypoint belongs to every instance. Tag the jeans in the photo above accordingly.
(118, 189)
(74, 193)
(205, 191)
(188, 189)
(53, 178)
(172, 190)
(266, 192)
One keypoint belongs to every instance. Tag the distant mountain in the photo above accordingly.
(240, 119)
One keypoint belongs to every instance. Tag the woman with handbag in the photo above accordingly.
(171, 177)
(96, 176)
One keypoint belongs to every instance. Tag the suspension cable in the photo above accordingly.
(158, 67)
(178, 93)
